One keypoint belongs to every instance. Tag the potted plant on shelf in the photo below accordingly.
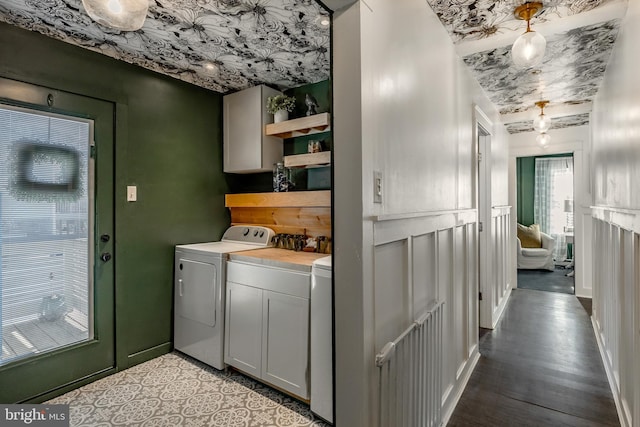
(280, 106)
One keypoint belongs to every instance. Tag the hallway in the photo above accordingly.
(539, 367)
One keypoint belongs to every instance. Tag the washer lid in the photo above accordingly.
(216, 248)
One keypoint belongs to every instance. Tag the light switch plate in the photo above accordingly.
(377, 187)
(132, 193)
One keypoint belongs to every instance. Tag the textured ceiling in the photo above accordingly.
(571, 71)
(478, 19)
(228, 45)
(223, 45)
(580, 35)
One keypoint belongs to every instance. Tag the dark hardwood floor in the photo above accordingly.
(539, 367)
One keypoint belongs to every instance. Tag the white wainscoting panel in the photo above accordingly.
(497, 262)
(421, 259)
(616, 305)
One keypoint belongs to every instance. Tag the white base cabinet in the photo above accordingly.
(267, 325)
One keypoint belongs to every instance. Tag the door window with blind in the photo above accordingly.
(46, 223)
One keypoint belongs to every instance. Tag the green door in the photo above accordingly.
(56, 240)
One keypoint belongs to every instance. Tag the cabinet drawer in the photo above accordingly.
(288, 282)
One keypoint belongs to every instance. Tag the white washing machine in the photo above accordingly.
(321, 339)
(200, 271)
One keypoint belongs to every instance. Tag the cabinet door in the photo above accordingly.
(243, 328)
(246, 148)
(285, 350)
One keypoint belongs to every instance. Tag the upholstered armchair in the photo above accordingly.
(537, 258)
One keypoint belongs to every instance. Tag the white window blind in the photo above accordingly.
(44, 231)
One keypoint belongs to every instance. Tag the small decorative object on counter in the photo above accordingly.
(310, 245)
(312, 104)
(323, 245)
(314, 146)
(281, 178)
(280, 106)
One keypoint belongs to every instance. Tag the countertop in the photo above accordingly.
(282, 258)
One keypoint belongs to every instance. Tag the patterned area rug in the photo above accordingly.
(175, 390)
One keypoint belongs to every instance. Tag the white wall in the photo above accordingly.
(403, 105)
(574, 140)
(616, 187)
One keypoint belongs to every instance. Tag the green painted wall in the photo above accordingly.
(525, 173)
(169, 144)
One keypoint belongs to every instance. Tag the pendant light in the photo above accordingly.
(528, 49)
(543, 139)
(541, 123)
(124, 15)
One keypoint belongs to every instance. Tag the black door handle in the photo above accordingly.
(105, 256)
(105, 238)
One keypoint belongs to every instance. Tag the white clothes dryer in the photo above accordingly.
(200, 271)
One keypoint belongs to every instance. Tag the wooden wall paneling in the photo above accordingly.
(312, 221)
(459, 305)
(636, 361)
(423, 267)
(471, 246)
(392, 304)
(498, 286)
(627, 326)
(292, 199)
(427, 257)
(614, 327)
(616, 305)
(445, 293)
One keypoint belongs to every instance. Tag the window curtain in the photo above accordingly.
(553, 187)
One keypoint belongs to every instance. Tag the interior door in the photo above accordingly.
(483, 141)
(56, 223)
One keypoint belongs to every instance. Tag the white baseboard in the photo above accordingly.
(625, 418)
(497, 313)
(464, 379)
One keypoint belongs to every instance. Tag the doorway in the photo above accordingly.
(482, 142)
(545, 200)
(56, 275)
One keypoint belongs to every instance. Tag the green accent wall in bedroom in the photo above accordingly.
(169, 144)
(526, 179)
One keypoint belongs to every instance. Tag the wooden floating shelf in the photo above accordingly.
(300, 127)
(291, 199)
(310, 159)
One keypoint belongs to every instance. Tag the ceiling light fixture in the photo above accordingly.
(528, 49)
(323, 20)
(542, 123)
(543, 139)
(124, 15)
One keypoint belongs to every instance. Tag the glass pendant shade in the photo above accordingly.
(124, 15)
(543, 139)
(541, 123)
(528, 49)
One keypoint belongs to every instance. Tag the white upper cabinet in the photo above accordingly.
(246, 147)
